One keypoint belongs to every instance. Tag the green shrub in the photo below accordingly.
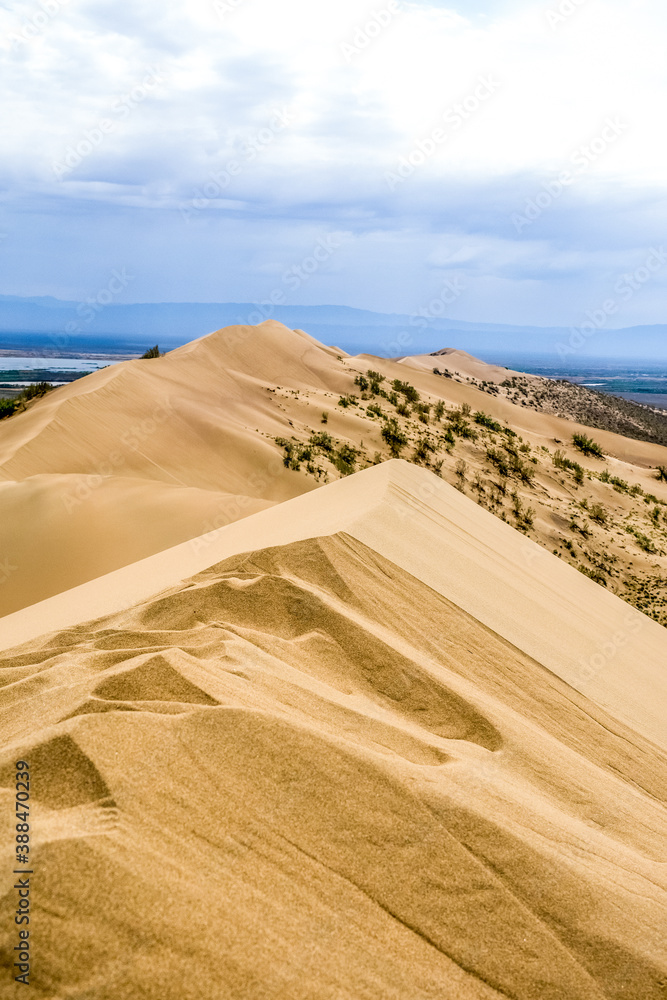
(375, 380)
(595, 574)
(394, 437)
(497, 458)
(322, 441)
(423, 411)
(643, 541)
(484, 420)
(583, 529)
(423, 450)
(34, 391)
(561, 461)
(598, 514)
(587, 445)
(662, 473)
(345, 459)
(525, 519)
(346, 401)
(7, 407)
(460, 425)
(291, 456)
(405, 389)
(152, 352)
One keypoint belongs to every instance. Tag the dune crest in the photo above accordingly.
(349, 755)
(138, 457)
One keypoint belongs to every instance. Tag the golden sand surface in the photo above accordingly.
(354, 763)
(296, 734)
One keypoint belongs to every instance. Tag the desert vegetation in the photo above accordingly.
(8, 407)
(583, 405)
(520, 483)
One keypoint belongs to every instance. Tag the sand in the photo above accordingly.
(140, 456)
(349, 740)
(341, 763)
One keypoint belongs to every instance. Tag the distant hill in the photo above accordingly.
(60, 325)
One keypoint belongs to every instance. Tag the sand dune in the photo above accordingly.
(378, 745)
(137, 457)
(60, 530)
(444, 539)
(458, 362)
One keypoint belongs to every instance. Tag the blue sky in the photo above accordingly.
(513, 149)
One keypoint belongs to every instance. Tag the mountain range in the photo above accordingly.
(100, 321)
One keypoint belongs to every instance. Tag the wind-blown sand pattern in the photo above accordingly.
(378, 745)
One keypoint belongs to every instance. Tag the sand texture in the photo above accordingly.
(368, 754)
(310, 721)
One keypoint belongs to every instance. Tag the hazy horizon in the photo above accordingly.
(382, 156)
(68, 325)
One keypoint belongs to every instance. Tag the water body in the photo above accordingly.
(641, 380)
(24, 371)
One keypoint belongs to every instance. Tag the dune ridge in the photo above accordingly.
(443, 538)
(303, 728)
(138, 457)
(391, 798)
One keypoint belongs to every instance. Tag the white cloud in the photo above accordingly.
(223, 73)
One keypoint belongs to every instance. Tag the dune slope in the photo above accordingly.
(327, 765)
(138, 457)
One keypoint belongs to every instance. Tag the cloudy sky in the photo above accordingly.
(373, 154)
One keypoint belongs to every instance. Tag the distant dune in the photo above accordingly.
(379, 745)
(141, 456)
